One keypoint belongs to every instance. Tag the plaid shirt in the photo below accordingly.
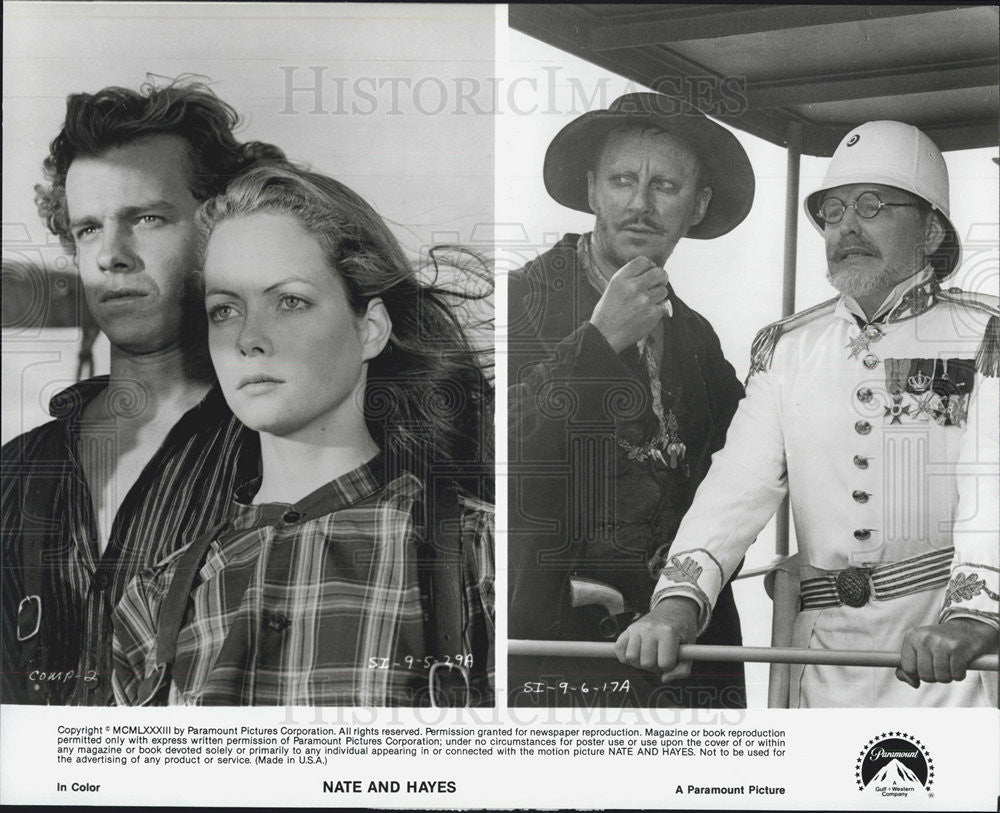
(316, 603)
(182, 491)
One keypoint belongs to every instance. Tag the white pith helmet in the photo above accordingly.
(899, 155)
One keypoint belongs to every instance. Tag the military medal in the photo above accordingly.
(919, 382)
(896, 408)
(928, 407)
(957, 410)
(939, 388)
(868, 335)
(916, 302)
(858, 345)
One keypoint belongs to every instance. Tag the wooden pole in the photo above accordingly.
(781, 529)
(745, 654)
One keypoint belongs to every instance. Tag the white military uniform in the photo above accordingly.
(885, 436)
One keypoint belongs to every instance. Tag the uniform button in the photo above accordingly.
(862, 534)
(277, 622)
(861, 496)
(291, 516)
(862, 427)
(864, 395)
(101, 580)
(871, 361)
(92, 684)
(860, 462)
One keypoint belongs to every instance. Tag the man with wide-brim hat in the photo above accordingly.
(724, 166)
(876, 413)
(619, 396)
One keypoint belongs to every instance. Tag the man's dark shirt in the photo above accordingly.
(182, 491)
(579, 505)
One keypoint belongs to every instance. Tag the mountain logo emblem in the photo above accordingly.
(894, 765)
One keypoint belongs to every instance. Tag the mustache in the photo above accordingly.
(640, 222)
(848, 245)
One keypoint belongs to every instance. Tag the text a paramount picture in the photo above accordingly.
(275, 475)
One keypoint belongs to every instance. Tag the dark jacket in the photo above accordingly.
(578, 504)
(49, 547)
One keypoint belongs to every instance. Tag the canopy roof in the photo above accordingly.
(826, 67)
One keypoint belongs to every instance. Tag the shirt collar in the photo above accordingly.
(589, 265)
(71, 402)
(341, 492)
(909, 298)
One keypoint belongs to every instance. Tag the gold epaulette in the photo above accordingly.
(762, 349)
(988, 355)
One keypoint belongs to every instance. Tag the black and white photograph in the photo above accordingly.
(647, 456)
(543, 406)
(247, 296)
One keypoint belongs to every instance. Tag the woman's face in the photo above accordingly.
(289, 351)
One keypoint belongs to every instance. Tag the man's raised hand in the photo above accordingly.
(632, 304)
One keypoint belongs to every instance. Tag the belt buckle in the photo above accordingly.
(853, 586)
(22, 611)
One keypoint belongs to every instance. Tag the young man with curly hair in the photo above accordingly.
(139, 461)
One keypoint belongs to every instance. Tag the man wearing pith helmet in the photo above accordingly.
(619, 396)
(877, 414)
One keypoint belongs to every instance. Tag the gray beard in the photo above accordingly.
(858, 284)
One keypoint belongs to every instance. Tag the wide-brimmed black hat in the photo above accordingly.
(725, 166)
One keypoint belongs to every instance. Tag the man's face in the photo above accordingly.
(866, 259)
(644, 191)
(132, 218)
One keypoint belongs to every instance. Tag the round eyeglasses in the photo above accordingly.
(867, 205)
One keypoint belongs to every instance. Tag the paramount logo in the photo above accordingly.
(894, 765)
(881, 753)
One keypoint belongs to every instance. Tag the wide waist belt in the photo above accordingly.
(856, 586)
